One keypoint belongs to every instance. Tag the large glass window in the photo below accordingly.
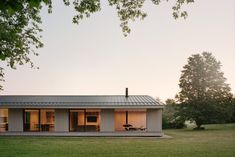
(3, 120)
(84, 120)
(120, 120)
(31, 120)
(130, 120)
(92, 120)
(77, 121)
(47, 120)
(39, 120)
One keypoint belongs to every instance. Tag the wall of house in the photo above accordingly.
(15, 120)
(107, 120)
(154, 120)
(62, 120)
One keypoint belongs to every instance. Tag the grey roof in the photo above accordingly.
(82, 101)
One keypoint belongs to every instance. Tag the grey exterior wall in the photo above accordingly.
(15, 120)
(107, 123)
(107, 120)
(61, 120)
(154, 120)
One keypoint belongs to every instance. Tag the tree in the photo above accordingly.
(20, 20)
(204, 94)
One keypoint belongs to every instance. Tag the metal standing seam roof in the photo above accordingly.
(81, 101)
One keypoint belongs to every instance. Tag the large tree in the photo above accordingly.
(20, 20)
(204, 94)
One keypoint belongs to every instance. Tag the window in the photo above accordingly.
(47, 120)
(77, 121)
(84, 120)
(130, 120)
(3, 120)
(31, 120)
(39, 120)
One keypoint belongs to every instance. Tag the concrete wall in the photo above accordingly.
(107, 123)
(61, 120)
(15, 120)
(154, 120)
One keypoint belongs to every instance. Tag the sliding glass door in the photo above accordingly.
(39, 120)
(3, 120)
(130, 120)
(92, 120)
(47, 120)
(77, 120)
(31, 120)
(84, 120)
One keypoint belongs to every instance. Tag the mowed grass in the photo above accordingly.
(215, 141)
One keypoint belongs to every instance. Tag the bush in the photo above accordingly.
(171, 119)
(232, 120)
(174, 123)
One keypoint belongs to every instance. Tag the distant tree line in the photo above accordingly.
(204, 96)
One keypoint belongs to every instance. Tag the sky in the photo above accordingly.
(94, 58)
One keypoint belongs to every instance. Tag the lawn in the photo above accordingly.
(215, 141)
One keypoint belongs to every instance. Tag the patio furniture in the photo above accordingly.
(129, 127)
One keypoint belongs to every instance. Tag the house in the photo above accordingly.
(92, 115)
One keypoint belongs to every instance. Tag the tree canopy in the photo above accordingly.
(20, 21)
(204, 94)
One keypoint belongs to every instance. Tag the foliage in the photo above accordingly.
(126, 10)
(204, 95)
(232, 120)
(19, 30)
(20, 20)
(171, 118)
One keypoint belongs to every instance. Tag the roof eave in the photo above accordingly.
(86, 107)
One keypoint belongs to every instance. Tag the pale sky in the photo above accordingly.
(95, 58)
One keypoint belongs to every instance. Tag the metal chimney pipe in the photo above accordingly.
(127, 93)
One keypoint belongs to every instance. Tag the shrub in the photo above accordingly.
(171, 118)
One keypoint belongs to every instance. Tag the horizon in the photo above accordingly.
(95, 58)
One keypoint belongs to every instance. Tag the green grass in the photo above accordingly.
(215, 141)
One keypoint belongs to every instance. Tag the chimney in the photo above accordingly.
(126, 92)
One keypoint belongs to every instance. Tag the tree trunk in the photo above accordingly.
(199, 124)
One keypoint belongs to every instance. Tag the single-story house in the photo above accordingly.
(138, 115)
